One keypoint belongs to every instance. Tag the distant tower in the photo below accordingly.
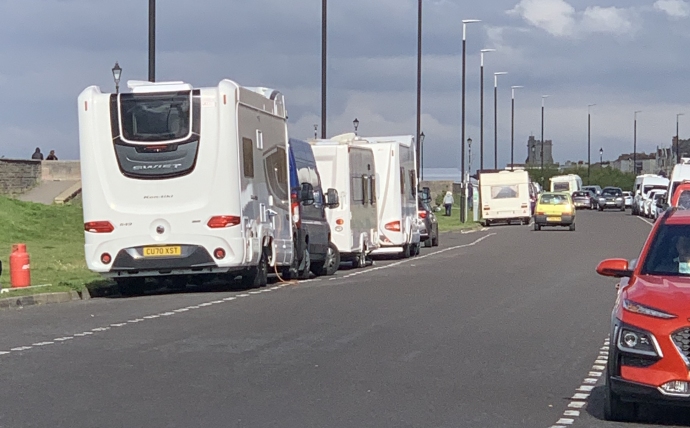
(534, 152)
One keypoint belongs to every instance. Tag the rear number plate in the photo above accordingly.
(162, 251)
(553, 219)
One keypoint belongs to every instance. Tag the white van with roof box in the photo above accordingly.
(352, 171)
(181, 181)
(504, 196)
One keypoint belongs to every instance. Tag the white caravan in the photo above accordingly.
(181, 181)
(566, 183)
(643, 185)
(351, 170)
(396, 188)
(505, 197)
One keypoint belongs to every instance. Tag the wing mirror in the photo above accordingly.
(306, 194)
(617, 268)
(332, 199)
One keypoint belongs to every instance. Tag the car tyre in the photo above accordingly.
(434, 241)
(407, 251)
(536, 227)
(329, 266)
(428, 242)
(572, 227)
(257, 276)
(616, 409)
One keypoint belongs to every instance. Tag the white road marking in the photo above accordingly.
(598, 367)
(21, 348)
(646, 221)
(42, 343)
(565, 421)
(118, 324)
(577, 404)
(595, 374)
(571, 413)
(4, 352)
(62, 339)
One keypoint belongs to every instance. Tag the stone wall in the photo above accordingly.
(19, 175)
(60, 170)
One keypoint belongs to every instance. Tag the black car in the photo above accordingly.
(428, 223)
(611, 198)
(584, 199)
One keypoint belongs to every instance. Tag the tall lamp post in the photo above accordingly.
(481, 108)
(152, 40)
(500, 73)
(418, 138)
(469, 158)
(324, 52)
(421, 154)
(316, 131)
(541, 154)
(601, 157)
(117, 73)
(463, 204)
(635, 142)
(677, 138)
(355, 123)
(589, 142)
(512, 126)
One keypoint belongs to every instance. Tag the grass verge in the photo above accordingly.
(452, 223)
(54, 237)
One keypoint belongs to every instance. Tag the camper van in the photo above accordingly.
(643, 185)
(396, 191)
(566, 183)
(505, 197)
(352, 171)
(680, 174)
(181, 181)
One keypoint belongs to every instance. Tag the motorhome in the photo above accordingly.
(396, 190)
(643, 185)
(504, 196)
(181, 181)
(680, 174)
(351, 170)
(566, 183)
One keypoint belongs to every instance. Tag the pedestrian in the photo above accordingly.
(448, 202)
(37, 154)
(51, 156)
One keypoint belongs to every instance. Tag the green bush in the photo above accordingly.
(600, 176)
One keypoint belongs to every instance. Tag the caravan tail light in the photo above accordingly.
(422, 214)
(219, 253)
(295, 208)
(340, 222)
(106, 258)
(523, 206)
(98, 227)
(221, 221)
(393, 226)
(541, 213)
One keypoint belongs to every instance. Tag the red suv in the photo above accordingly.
(649, 357)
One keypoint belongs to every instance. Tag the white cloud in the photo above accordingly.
(555, 16)
(559, 18)
(673, 8)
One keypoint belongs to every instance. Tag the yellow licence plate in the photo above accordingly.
(162, 251)
(553, 219)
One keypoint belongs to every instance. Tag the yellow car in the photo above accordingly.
(554, 209)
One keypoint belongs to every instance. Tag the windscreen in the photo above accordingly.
(561, 186)
(155, 117)
(611, 192)
(504, 192)
(669, 252)
(549, 199)
(654, 187)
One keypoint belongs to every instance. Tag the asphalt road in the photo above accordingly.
(497, 328)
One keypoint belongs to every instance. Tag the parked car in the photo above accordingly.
(595, 188)
(428, 224)
(584, 199)
(650, 335)
(554, 209)
(649, 204)
(627, 199)
(611, 198)
(658, 205)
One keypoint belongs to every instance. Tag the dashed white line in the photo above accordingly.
(42, 343)
(21, 348)
(646, 221)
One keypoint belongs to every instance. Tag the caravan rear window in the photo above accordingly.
(504, 192)
(561, 186)
(155, 117)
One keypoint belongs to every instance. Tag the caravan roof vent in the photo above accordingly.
(142, 86)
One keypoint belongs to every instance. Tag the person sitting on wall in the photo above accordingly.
(51, 156)
(37, 154)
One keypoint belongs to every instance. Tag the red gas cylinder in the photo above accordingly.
(20, 269)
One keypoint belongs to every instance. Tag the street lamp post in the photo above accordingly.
(541, 152)
(316, 131)
(500, 73)
(635, 142)
(677, 138)
(469, 158)
(481, 108)
(601, 157)
(463, 205)
(589, 142)
(117, 73)
(152, 40)
(512, 127)
(324, 52)
(356, 125)
(418, 139)
(421, 154)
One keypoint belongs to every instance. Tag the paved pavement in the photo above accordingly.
(47, 191)
(497, 328)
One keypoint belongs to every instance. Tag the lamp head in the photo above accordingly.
(500, 73)
(470, 21)
(356, 124)
(117, 73)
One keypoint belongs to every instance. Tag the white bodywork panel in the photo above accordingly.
(504, 195)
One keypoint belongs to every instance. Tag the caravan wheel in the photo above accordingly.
(406, 252)
(330, 265)
(257, 276)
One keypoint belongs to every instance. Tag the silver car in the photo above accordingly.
(611, 198)
(628, 199)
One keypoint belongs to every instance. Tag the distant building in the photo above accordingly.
(534, 148)
(646, 163)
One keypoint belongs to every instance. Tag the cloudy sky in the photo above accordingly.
(620, 55)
